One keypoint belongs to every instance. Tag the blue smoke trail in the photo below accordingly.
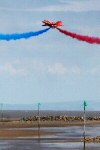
(16, 36)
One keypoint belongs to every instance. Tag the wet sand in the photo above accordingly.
(23, 133)
(15, 129)
(45, 145)
(22, 136)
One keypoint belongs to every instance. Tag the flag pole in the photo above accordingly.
(39, 121)
(85, 104)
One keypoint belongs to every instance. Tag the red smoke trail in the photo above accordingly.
(91, 40)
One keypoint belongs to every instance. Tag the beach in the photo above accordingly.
(22, 136)
(14, 129)
(49, 132)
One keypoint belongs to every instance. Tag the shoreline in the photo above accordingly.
(18, 130)
(32, 124)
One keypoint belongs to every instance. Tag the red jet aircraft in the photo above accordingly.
(52, 24)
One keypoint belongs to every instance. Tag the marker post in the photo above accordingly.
(85, 104)
(39, 121)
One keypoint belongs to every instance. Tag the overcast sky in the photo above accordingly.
(51, 67)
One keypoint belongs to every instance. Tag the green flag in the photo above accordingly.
(85, 103)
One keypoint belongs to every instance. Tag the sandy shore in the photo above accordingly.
(22, 133)
(16, 134)
(15, 129)
(29, 124)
